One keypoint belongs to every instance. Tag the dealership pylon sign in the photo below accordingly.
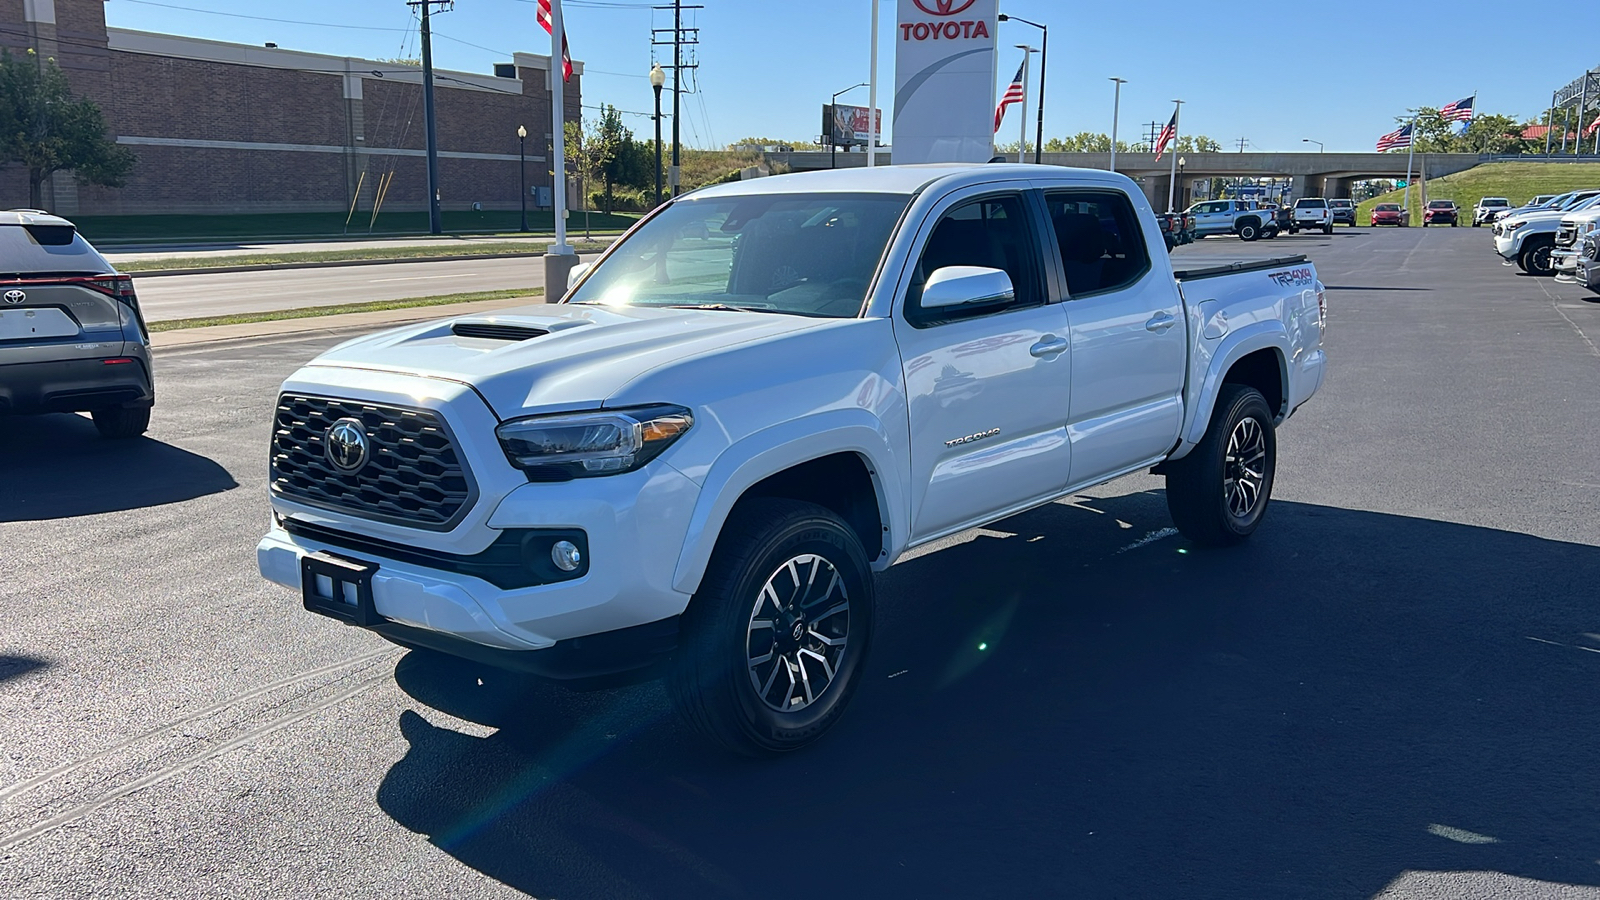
(944, 71)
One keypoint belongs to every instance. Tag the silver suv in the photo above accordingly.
(72, 338)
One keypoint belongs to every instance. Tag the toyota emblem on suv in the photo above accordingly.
(15, 296)
(346, 445)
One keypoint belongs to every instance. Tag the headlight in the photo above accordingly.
(583, 445)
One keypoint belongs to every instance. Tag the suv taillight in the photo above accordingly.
(120, 288)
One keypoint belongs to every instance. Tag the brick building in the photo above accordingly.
(232, 128)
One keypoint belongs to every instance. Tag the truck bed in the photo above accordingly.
(1196, 268)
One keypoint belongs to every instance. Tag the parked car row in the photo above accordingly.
(1540, 239)
(1250, 220)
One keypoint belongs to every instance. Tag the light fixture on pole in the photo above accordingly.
(1044, 50)
(1116, 108)
(833, 161)
(1182, 161)
(657, 79)
(1320, 145)
(522, 172)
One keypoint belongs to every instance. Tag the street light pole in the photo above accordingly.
(1022, 136)
(1319, 144)
(1116, 107)
(522, 172)
(833, 159)
(1044, 50)
(1172, 179)
(657, 79)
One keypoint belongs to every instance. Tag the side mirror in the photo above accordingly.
(576, 272)
(966, 285)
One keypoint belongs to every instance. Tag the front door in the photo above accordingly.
(987, 386)
(1129, 343)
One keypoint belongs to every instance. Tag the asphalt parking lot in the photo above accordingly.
(1389, 692)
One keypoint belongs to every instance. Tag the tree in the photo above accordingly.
(756, 143)
(45, 129)
(592, 145)
(1096, 142)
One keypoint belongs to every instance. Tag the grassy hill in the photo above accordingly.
(1518, 182)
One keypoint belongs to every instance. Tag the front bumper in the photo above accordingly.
(1507, 245)
(451, 585)
(78, 385)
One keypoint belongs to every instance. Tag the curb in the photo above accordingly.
(308, 326)
(331, 264)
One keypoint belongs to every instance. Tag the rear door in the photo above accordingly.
(1129, 342)
(988, 386)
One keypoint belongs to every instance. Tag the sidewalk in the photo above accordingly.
(145, 252)
(311, 326)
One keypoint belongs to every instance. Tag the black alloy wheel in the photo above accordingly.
(1219, 492)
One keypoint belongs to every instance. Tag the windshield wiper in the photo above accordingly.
(731, 308)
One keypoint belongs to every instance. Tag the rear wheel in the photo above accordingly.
(1249, 231)
(1218, 494)
(775, 638)
(121, 421)
(1328, 228)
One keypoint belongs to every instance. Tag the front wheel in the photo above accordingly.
(774, 641)
(1536, 260)
(1218, 494)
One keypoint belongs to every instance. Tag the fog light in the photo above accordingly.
(566, 556)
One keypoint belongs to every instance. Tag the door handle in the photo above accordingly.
(1048, 347)
(1160, 322)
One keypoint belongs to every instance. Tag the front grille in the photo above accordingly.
(413, 475)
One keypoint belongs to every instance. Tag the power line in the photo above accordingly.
(213, 12)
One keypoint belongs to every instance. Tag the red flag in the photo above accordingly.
(566, 58)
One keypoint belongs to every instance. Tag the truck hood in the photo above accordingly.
(554, 358)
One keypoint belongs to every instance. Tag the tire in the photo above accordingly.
(784, 545)
(1328, 228)
(1249, 231)
(1207, 489)
(1536, 260)
(120, 422)
(1476, 223)
(1455, 223)
(1424, 223)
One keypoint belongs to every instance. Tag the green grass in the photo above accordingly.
(499, 248)
(315, 311)
(111, 229)
(1518, 182)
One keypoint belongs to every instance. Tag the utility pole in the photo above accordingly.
(680, 37)
(435, 220)
(1152, 130)
(1243, 142)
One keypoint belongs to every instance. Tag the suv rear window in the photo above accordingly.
(1311, 204)
(28, 249)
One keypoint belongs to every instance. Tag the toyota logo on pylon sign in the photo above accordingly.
(943, 7)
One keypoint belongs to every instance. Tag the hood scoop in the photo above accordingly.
(496, 331)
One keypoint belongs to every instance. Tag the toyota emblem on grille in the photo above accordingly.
(15, 296)
(347, 445)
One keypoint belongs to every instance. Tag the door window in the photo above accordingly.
(992, 232)
(1098, 235)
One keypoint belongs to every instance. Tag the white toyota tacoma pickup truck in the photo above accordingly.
(761, 395)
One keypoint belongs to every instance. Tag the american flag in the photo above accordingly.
(544, 21)
(1014, 94)
(1459, 111)
(1166, 136)
(1398, 138)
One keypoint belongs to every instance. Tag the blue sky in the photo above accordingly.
(767, 66)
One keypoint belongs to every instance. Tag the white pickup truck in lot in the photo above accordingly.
(761, 395)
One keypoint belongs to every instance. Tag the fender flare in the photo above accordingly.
(1237, 345)
(784, 446)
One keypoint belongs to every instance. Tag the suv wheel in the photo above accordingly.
(121, 421)
(1218, 494)
(773, 642)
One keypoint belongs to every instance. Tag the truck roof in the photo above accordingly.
(30, 217)
(905, 179)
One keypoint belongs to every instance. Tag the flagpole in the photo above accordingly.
(1022, 111)
(1172, 181)
(872, 93)
(559, 257)
(1411, 154)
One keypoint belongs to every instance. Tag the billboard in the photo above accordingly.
(944, 73)
(846, 126)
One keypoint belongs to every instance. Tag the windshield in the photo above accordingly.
(1440, 204)
(1585, 203)
(1387, 207)
(1495, 201)
(1340, 204)
(801, 254)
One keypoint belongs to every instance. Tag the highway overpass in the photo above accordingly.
(1313, 174)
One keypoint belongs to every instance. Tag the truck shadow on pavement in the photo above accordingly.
(58, 466)
(18, 666)
(1077, 703)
